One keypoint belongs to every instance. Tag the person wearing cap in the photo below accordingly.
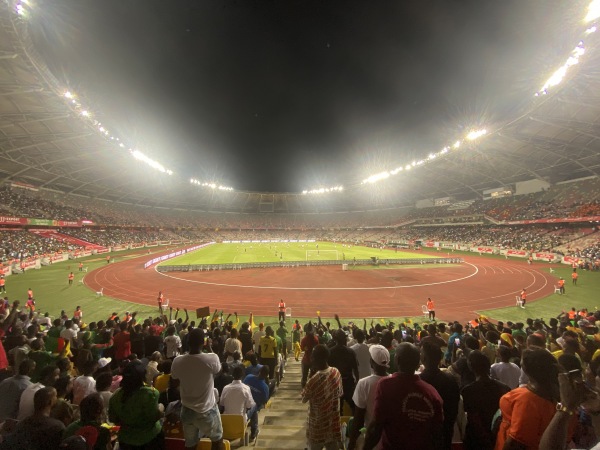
(407, 409)
(446, 386)
(364, 394)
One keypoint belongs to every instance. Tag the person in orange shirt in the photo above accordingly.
(2, 284)
(574, 277)
(572, 314)
(29, 294)
(527, 411)
(431, 308)
(561, 285)
(71, 277)
(281, 310)
(523, 298)
(81, 267)
(78, 313)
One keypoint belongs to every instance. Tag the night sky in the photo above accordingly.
(288, 95)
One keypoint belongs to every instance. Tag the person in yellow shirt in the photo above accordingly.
(267, 351)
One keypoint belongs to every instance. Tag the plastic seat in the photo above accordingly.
(235, 426)
(206, 444)
(556, 289)
(425, 311)
(165, 305)
(288, 312)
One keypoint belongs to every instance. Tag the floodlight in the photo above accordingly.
(68, 94)
(476, 134)
(591, 30)
(593, 11)
(85, 113)
(456, 145)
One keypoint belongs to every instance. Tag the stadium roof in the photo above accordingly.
(43, 142)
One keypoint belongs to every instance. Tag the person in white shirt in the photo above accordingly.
(505, 371)
(172, 343)
(48, 377)
(236, 397)
(232, 345)
(199, 409)
(364, 393)
(85, 384)
(257, 335)
(363, 356)
(69, 333)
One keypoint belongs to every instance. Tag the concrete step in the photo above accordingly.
(289, 405)
(282, 443)
(292, 421)
(284, 412)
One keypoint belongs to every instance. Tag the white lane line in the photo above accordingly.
(476, 270)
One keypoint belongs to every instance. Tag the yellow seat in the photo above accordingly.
(235, 426)
(206, 444)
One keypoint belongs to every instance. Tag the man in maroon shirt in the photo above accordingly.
(408, 411)
(122, 342)
(307, 344)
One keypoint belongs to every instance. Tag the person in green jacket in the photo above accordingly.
(134, 407)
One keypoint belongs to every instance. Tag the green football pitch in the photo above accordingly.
(233, 253)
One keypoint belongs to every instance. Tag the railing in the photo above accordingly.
(265, 265)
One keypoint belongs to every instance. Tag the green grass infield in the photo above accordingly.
(237, 253)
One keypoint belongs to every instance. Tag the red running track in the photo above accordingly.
(458, 290)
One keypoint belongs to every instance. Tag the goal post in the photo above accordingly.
(320, 255)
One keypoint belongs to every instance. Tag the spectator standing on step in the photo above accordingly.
(364, 394)
(323, 392)
(407, 409)
(344, 360)
(199, 411)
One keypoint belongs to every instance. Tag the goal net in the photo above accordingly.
(320, 255)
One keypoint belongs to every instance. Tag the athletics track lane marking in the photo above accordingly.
(322, 288)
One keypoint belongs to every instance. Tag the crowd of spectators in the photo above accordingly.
(577, 199)
(65, 377)
(19, 245)
(112, 237)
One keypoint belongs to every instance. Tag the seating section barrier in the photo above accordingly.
(290, 264)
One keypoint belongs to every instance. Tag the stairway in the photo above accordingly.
(283, 424)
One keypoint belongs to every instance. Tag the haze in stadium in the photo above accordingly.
(295, 96)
